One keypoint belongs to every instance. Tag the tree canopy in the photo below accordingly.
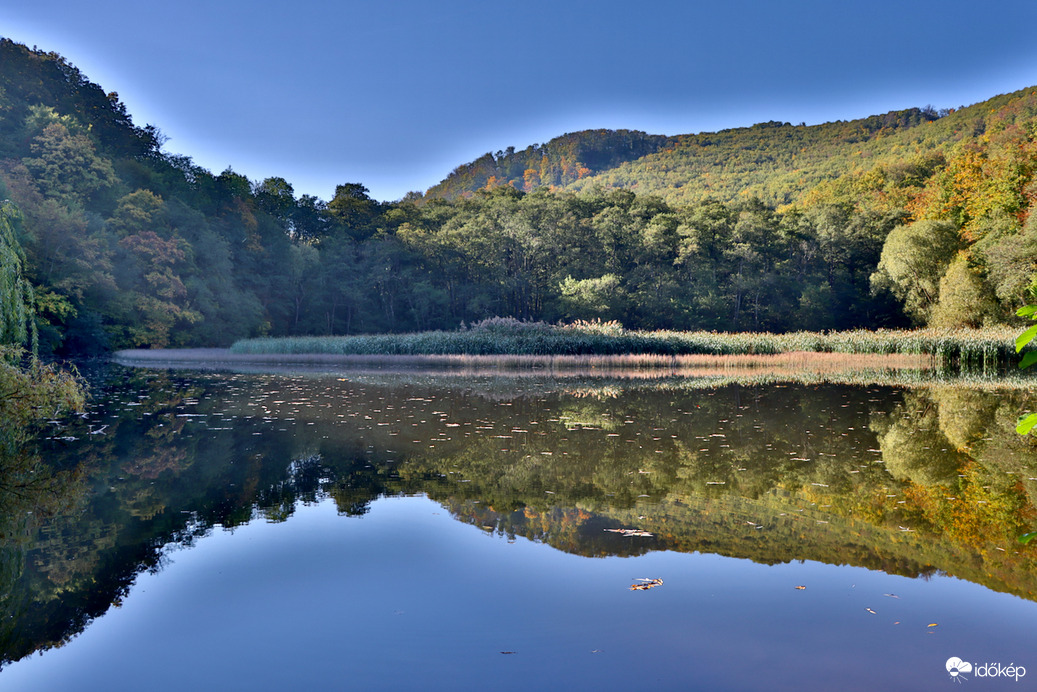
(912, 216)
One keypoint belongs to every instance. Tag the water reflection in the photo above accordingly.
(914, 482)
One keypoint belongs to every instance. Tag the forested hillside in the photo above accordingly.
(558, 163)
(775, 162)
(897, 219)
(772, 161)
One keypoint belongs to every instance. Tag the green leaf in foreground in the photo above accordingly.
(1026, 423)
(1025, 338)
(1027, 537)
(1027, 311)
(1029, 358)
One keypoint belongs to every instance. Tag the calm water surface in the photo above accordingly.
(249, 531)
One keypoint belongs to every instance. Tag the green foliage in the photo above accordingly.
(125, 245)
(17, 304)
(965, 300)
(557, 163)
(914, 260)
(66, 165)
(984, 351)
(1028, 422)
(771, 161)
(597, 297)
(31, 395)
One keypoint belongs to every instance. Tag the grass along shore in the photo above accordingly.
(987, 349)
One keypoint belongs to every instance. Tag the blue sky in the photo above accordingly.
(394, 94)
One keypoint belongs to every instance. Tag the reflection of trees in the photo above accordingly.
(754, 473)
(965, 414)
(31, 494)
(914, 447)
(738, 470)
(73, 541)
(967, 474)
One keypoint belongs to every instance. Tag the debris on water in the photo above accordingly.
(891, 595)
(933, 624)
(507, 652)
(871, 611)
(630, 532)
(645, 583)
(800, 587)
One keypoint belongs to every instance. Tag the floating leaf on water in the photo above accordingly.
(800, 587)
(891, 595)
(646, 584)
(933, 624)
(871, 611)
(631, 532)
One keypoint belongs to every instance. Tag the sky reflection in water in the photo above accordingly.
(406, 596)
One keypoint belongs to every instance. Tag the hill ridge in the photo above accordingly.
(774, 161)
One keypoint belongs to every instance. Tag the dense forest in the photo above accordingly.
(914, 217)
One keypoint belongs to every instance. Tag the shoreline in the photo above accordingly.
(628, 360)
(791, 359)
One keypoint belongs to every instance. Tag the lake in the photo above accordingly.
(383, 530)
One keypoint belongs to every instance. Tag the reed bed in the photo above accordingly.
(595, 376)
(984, 350)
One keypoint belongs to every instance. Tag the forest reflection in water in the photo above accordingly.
(913, 481)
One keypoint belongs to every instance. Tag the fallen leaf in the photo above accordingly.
(630, 532)
(646, 584)
(871, 611)
(801, 587)
(933, 624)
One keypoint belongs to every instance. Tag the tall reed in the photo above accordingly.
(978, 350)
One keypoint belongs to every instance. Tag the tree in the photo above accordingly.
(65, 164)
(353, 211)
(599, 298)
(152, 298)
(310, 219)
(276, 197)
(914, 259)
(965, 300)
(27, 395)
(17, 304)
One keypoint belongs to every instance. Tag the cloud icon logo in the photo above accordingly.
(956, 666)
